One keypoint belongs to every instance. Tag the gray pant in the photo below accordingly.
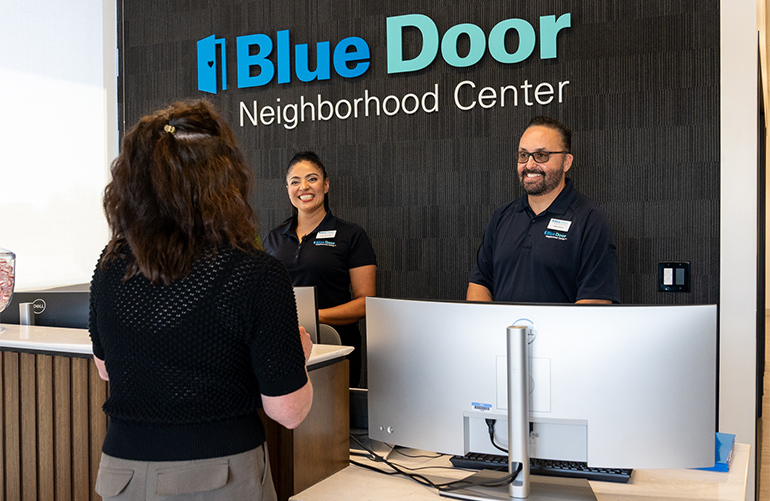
(241, 476)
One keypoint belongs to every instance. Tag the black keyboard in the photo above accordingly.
(546, 467)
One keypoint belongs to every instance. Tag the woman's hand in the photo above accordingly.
(102, 368)
(307, 343)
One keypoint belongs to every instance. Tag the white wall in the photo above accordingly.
(57, 135)
(738, 224)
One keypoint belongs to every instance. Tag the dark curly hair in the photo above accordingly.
(180, 188)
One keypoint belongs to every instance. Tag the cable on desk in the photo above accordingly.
(373, 456)
(428, 456)
(398, 469)
(421, 479)
(466, 484)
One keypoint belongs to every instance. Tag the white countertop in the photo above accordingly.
(52, 339)
(77, 341)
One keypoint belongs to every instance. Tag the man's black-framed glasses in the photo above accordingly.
(540, 157)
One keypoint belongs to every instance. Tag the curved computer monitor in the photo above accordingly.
(613, 385)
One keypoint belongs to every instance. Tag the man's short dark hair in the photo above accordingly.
(552, 123)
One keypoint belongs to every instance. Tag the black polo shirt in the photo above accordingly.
(324, 258)
(562, 255)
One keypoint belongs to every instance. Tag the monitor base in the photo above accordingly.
(541, 489)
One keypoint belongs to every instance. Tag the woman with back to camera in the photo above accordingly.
(320, 250)
(194, 327)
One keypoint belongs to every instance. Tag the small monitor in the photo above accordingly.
(611, 385)
(51, 308)
(307, 310)
(69, 308)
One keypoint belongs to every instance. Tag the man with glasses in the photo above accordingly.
(552, 245)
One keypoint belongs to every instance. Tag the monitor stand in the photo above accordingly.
(531, 488)
(541, 489)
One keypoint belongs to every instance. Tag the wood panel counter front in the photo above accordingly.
(52, 425)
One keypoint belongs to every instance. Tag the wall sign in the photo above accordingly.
(416, 108)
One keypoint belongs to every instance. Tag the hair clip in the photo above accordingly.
(169, 128)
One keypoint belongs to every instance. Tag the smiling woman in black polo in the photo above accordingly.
(320, 250)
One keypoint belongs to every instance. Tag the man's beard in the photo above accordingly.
(544, 184)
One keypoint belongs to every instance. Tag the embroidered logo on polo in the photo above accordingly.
(557, 229)
(325, 243)
(555, 235)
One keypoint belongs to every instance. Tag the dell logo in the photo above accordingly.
(38, 305)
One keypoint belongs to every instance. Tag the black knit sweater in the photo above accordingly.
(188, 361)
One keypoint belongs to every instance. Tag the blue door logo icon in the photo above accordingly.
(207, 64)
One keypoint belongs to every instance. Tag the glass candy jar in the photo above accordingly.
(7, 278)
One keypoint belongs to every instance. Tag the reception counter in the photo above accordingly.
(53, 426)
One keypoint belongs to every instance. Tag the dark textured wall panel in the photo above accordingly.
(642, 100)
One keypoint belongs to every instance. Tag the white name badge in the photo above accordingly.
(326, 234)
(559, 224)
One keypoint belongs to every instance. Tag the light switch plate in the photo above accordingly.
(674, 276)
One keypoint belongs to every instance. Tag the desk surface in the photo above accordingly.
(359, 484)
(77, 341)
